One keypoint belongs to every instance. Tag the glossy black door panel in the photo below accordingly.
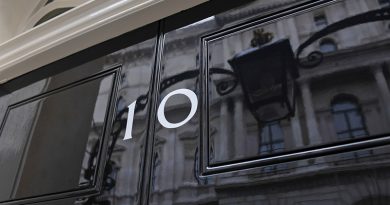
(292, 106)
(62, 134)
(297, 82)
(126, 158)
(47, 140)
(283, 102)
(176, 169)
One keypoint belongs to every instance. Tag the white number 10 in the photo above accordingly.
(161, 111)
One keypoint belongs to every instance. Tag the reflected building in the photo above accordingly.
(343, 98)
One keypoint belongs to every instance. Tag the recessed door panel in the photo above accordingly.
(292, 106)
(62, 133)
(47, 140)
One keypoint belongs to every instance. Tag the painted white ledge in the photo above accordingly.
(82, 27)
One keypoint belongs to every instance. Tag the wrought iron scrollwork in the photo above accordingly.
(223, 88)
(312, 60)
(226, 86)
(316, 57)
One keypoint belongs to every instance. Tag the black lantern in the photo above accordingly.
(267, 76)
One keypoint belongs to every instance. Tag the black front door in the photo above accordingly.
(250, 102)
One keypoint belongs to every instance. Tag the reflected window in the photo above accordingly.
(327, 46)
(347, 117)
(271, 138)
(349, 123)
(272, 141)
(320, 20)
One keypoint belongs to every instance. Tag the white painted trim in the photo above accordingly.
(86, 25)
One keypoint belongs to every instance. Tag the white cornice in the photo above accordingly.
(86, 25)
